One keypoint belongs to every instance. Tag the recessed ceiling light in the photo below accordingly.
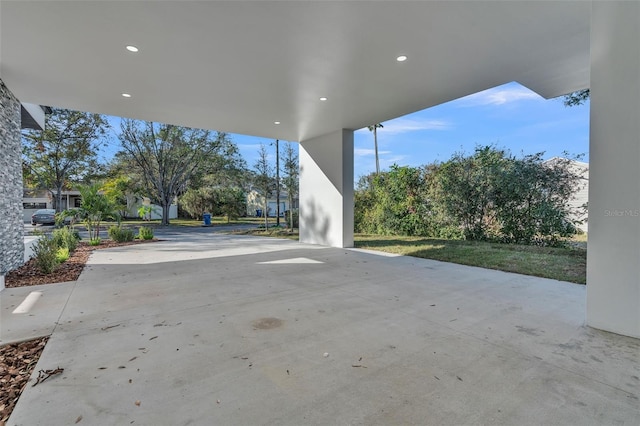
(323, 98)
(401, 58)
(276, 122)
(132, 48)
(126, 95)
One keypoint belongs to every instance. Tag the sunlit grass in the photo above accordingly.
(564, 264)
(271, 232)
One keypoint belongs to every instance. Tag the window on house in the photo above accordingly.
(77, 202)
(34, 206)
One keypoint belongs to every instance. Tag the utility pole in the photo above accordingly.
(277, 183)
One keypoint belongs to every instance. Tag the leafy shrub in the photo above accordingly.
(290, 215)
(95, 241)
(145, 233)
(46, 251)
(62, 254)
(67, 238)
(120, 234)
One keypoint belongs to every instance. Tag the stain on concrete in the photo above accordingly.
(572, 345)
(527, 330)
(267, 323)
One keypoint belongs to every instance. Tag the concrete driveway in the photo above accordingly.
(207, 329)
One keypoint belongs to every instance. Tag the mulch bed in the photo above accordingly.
(17, 362)
(28, 274)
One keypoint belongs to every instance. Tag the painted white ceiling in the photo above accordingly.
(238, 66)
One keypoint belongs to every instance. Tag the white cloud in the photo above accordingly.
(499, 96)
(249, 147)
(400, 160)
(405, 125)
(364, 152)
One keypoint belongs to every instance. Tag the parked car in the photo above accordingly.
(44, 217)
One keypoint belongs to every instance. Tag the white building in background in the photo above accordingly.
(255, 203)
(36, 199)
(134, 203)
(581, 196)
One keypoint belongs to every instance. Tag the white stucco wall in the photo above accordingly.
(326, 189)
(613, 258)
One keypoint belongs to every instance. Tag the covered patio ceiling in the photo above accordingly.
(241, 66)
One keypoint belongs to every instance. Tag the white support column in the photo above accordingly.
(613, 260)
(326, 189)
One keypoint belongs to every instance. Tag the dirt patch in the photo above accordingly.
(17, 362)
(28, 274)
(267, 323)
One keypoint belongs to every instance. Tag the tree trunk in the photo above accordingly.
(291, 211)
(165, 213)
(58, 199)
(375, 142)
(265, 212)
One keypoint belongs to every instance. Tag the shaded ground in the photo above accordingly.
(17, 362)
(29, 274)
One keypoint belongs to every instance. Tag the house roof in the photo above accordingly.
(240, 66)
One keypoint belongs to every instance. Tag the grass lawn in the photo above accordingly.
(564, 264)
(271, 232)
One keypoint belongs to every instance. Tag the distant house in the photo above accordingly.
(255, 204)
(35, 199)
(581, 196)
(134, 203)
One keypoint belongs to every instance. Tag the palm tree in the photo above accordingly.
(374, 129)
(94, 207)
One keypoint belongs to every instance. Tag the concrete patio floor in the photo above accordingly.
(206, 329)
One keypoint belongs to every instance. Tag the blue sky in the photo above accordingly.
(509, 116)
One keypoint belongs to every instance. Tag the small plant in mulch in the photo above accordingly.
(17, 362)
(120, 234)
(29, 274)
(145, 233)
(62, 254)
(45, 251)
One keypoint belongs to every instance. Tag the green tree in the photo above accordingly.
(197, 201)
(95, 206)
(226, 168)
(374, 128)
(264, 180)
(65, 152)
(576, 98)
(227, 201)
(465, 185)
(231, 202)
(395, 202)
(532, 200)
(167, 157)
(290, 181)
(118, 190)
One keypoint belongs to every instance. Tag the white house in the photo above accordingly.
(581, 196)
(255, 203)
(35, 199)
